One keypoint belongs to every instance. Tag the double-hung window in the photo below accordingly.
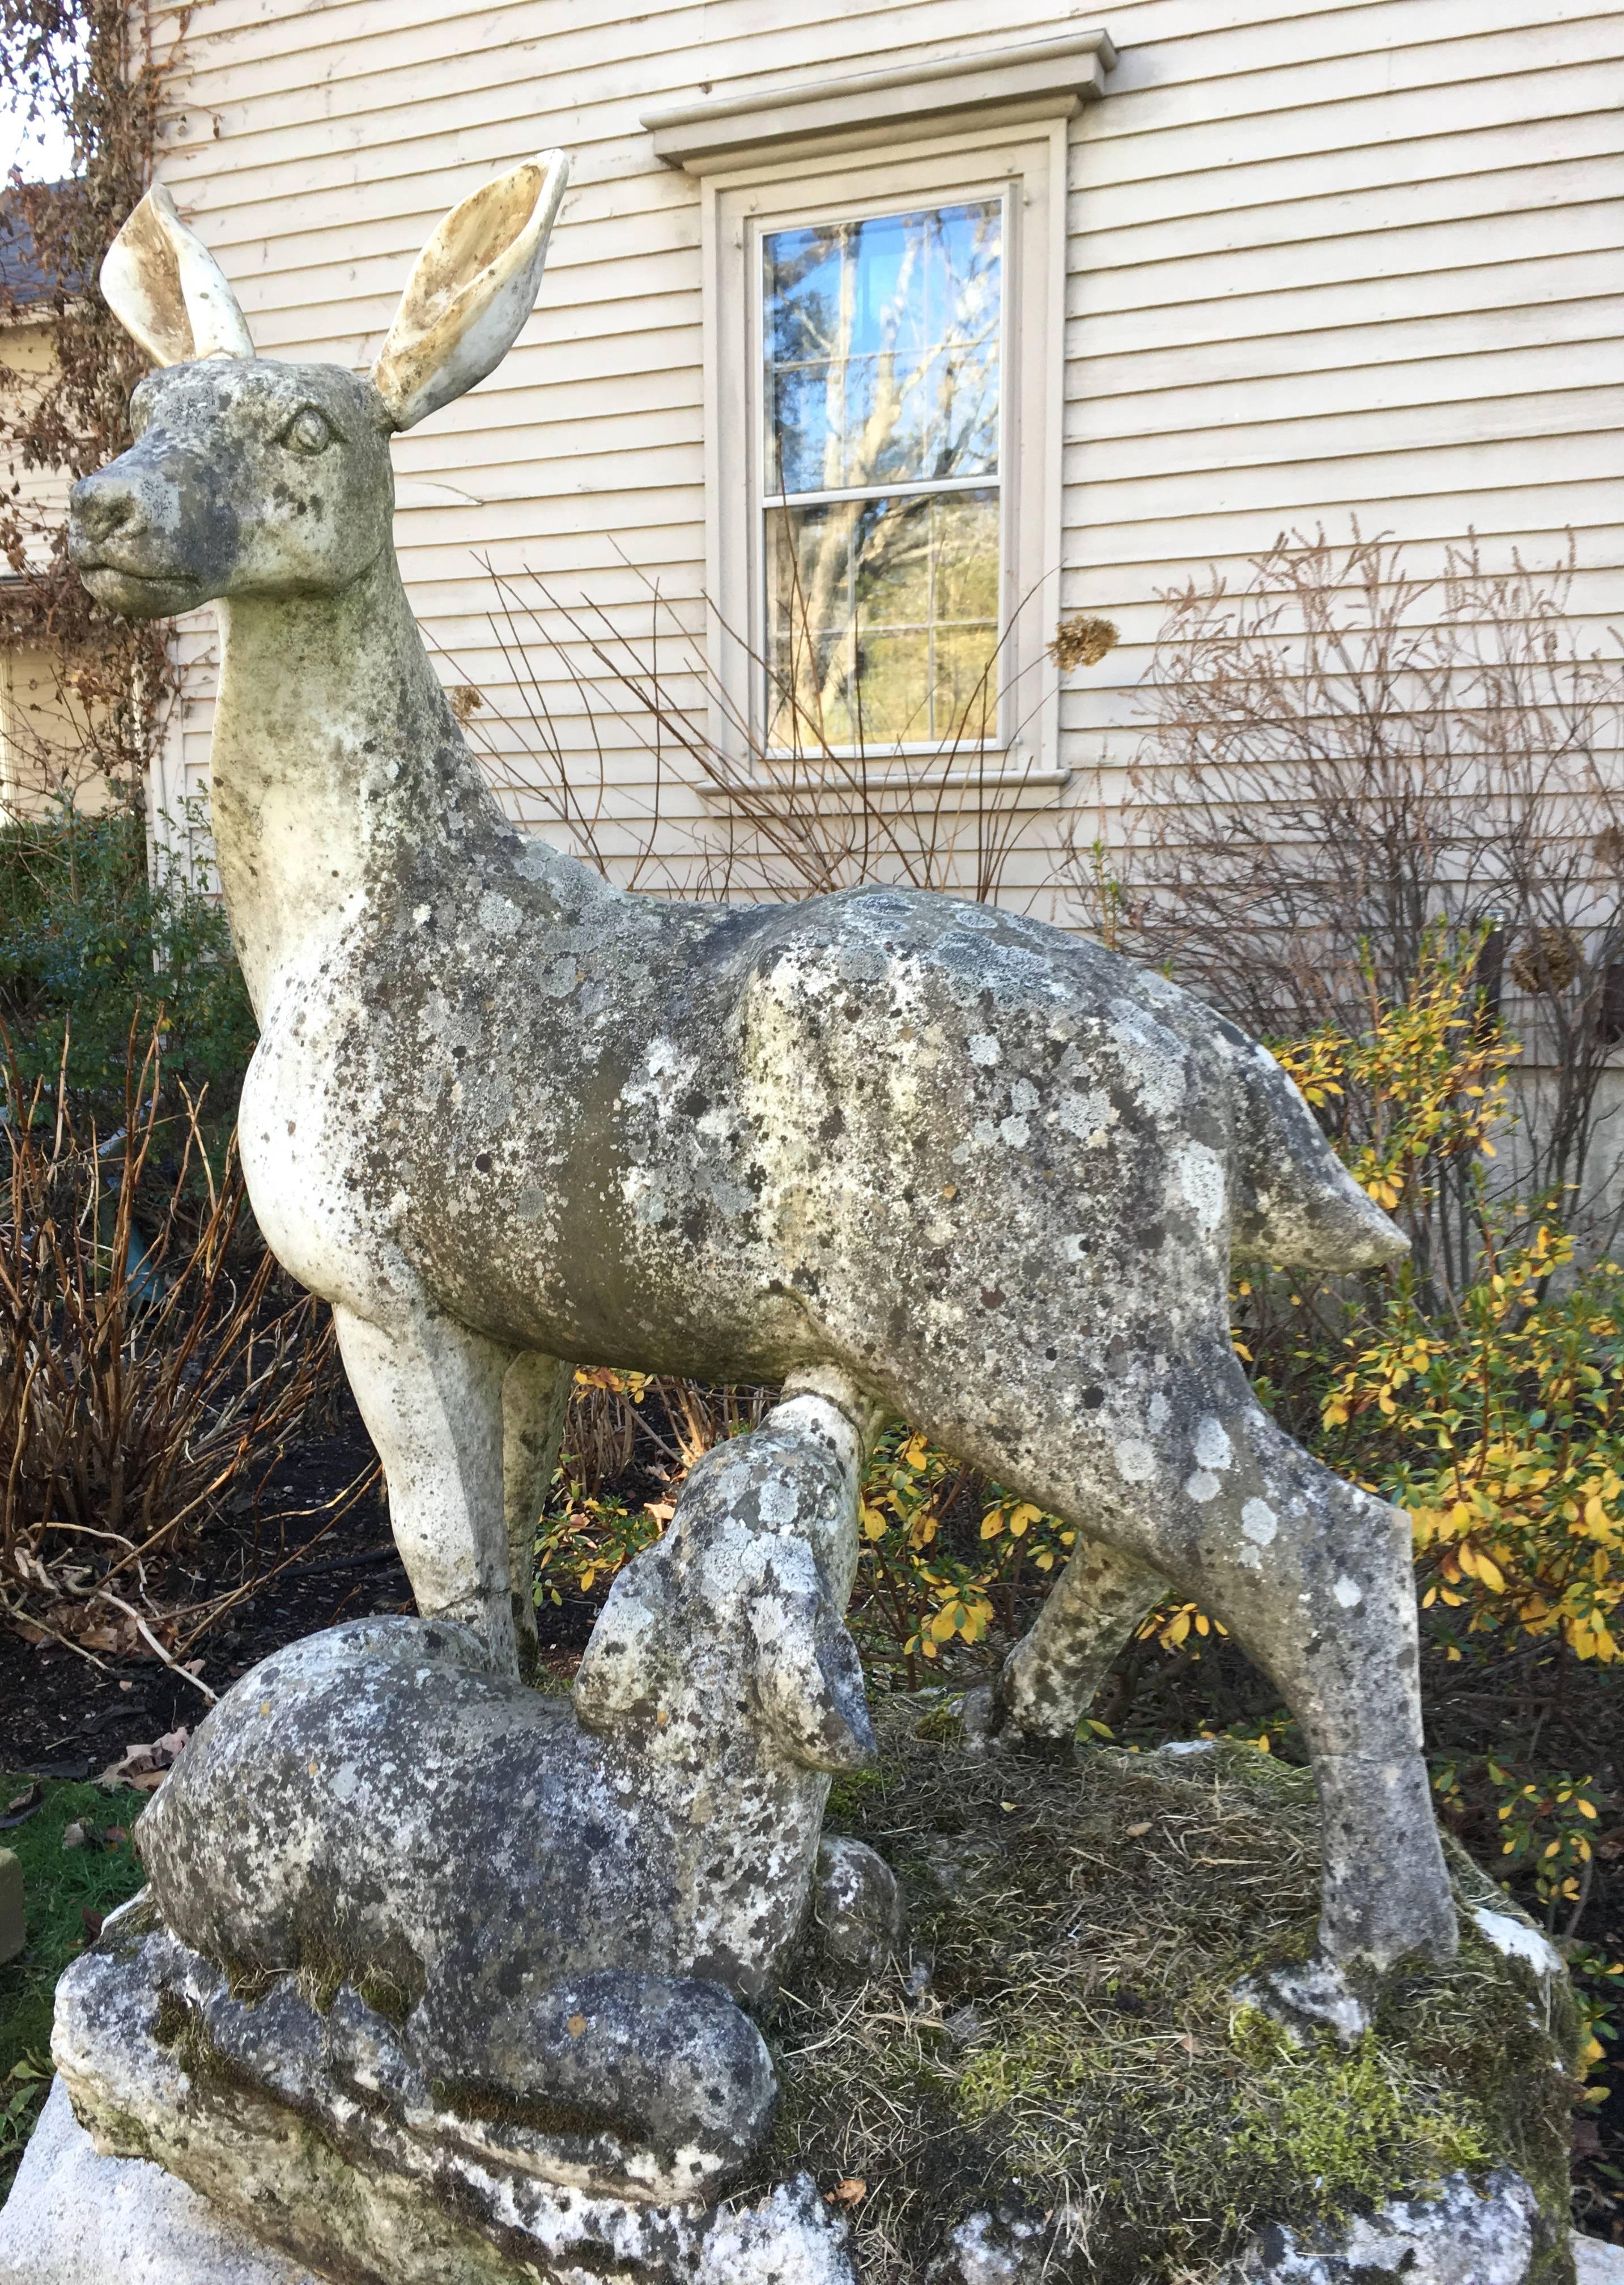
(883, 385)
(879, 544)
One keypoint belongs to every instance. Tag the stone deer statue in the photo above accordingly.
(954, 1162)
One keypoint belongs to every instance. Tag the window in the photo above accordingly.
(882, 344)
(883, 387)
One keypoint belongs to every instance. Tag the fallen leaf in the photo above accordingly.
(91, 1920)
(1138, 1832)
(73, 1835)
(576, 2026)
(145, 1766)
(113, 1836)
(849, 2193)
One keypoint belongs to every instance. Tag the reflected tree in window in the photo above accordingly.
(883, 350)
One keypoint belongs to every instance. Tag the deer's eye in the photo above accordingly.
(308, 431)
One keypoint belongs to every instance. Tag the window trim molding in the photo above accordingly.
(1048, 78)
(1028, 161)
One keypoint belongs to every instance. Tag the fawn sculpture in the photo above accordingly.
(931, 1158)
(433, 1964)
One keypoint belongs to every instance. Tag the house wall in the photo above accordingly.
(1325, 262)
(42, 744)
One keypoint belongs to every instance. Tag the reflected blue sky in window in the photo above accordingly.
(881, 343)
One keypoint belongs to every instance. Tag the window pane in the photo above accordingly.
(881, 345)
(883, 621)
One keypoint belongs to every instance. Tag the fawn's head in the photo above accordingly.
(252, 477)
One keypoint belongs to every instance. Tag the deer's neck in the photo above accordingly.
(336, 763)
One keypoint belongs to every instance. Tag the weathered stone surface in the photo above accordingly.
(417, 1930)
(1597, 2263)
(319, 2143)
(1459, 2235)
(74, 2218)
(990, 1174)
(1005, 2247)
(377, 1801)
(1306, 2000)
(14, 1912)
(856, 1904)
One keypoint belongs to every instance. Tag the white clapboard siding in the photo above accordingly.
(1361, 260)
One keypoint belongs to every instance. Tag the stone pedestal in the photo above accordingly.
(74, 2218)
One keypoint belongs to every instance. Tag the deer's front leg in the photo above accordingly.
(430, 1393)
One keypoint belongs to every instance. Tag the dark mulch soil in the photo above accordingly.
(60, 1716)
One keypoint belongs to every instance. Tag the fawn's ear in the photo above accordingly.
(809, 1682)
(620, 1675)
(167, 290)
(475, 284)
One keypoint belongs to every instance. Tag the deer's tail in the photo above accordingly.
(1296, 1204)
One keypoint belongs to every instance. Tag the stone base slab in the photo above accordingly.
(321, 2166)
(74, 2218)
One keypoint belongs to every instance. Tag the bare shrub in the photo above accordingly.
(1344, 758)
(149, 1361)
(798, 815)
(100, 71)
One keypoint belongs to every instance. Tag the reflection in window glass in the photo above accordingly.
(883, 342)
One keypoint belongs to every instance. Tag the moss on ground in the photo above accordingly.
(1086, 1921)
(60, 1886)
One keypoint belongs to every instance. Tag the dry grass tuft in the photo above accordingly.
(1086, 1923)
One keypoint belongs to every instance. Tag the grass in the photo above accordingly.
(1086, 1921)
(60, 1886)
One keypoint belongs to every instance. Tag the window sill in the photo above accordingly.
(994, 784)
(905, 101)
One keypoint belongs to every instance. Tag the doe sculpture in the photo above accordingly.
(928, 1159)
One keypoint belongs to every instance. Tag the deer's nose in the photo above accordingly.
(101, 506)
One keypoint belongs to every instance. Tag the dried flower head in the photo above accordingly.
(1547, 959)
(1082, 641)
(466, 700)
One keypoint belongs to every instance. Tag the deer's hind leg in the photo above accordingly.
(430, 1393)
(1049, 1680)
(1315, 1578)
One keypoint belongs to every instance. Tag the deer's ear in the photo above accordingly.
(166, 289)
(475, 284)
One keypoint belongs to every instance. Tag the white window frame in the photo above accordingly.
(1023, 163)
